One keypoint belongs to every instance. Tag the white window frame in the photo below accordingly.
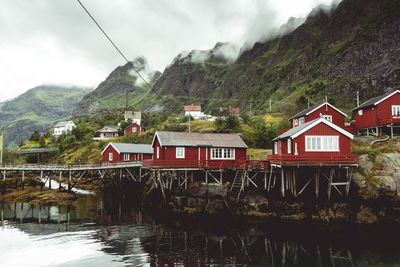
(295, 122)
(395, 110)
(110, 156)
(322, 143)
(158, 152)
(360, 112)
(289, 146)
(327, 117)
(134, 130)
(222, 153)
(180, 152)
(301, 121)
(126, 156)
(276, 148)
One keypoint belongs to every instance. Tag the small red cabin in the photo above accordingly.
(127, 152)
(133, 128)
(378, 111)
(317, 141)
(325, 110)
(180, 149)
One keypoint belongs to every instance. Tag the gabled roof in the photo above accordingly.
(192, 108)
(376, 100)
(109, 129)
(296, 131)
(130, 148)
(133, 124)
(310, 110)
(63, 123)
(199, 139)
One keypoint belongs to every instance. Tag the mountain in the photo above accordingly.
(335, 52)
(110, 93)
(37, 109)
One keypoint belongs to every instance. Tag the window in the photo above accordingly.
(180, 152)
(289, 146)
(327, 117)
(126, 157)
(396, 110)
(360, 112)
(134, 130)
(301, 121)
(322, 143)
(295, 122)
(158, 152)
(275, 148)
(222, 153)
(110, 156)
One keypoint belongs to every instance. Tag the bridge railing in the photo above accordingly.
(207, 164)
(342, 159)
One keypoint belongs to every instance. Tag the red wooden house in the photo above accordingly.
(314, 142)
(379, 111)
(127, 152)
(324, 110)
(180, 149)
(133, 128)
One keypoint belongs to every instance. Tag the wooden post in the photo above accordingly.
(206, 177)
(41, 178)
(331, 174)
(282, 182)
(140, 174)
(220, 177)
(50, 181)
(4, 181)
(69, 181)
(59, 181)
(367, 131)
(294, 182)
(391, 131)
(23, 180)
(265, 180)
(317, 183)
(186, 179)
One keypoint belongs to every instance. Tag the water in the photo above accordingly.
(100, 231)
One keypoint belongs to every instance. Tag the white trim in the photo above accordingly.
(383, 99)
(110, 144)
(126, 155)
(110, 156)
(182, 149)
(397, 107)
(289, 146)
(322, 140)
(326, 103)
(327, 117)
(316, 122)
(158, 152)
(275, 148)
(222, 153)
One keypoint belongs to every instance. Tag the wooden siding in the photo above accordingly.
(384, 109)
(120, 157)
(130, 129)
(367, 119)
(337, 117)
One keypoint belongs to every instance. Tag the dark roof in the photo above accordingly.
(310, 124)
(131, 148)
(113, 128)
(199, 139)
(309, 110)
(372, 101)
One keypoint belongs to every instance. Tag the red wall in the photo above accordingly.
(384, 109)
(130, 128)
(192, 153)
(120, 157)
(367, 119)
(320, 129)
(337, 117)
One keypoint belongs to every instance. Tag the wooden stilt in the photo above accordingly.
(4, 181)
(59, 181)
(69, 181)
(23, 180)
(317, 183)
(186, 177)
(265, 180)
(270, 179)
(282, 182)
(294, 182)
(391, 131)
(50, 182)
(140, 174)
(206, 177)
(220, 177)
(331, 174)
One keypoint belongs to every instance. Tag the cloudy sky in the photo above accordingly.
(55, 42)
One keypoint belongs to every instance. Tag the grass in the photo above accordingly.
(258, 154)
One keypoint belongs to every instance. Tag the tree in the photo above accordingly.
(35, 136)
(228, 124)
(42, 141)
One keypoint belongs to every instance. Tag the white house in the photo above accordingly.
(63, 127)
(107, 132)
(195, 112)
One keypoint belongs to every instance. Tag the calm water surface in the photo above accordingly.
(97, 231)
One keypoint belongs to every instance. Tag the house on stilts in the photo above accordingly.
(314, 149)
(378, 115)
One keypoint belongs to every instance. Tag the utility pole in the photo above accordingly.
(358, 98)
(189, 123)
(250, 109)
(1, 146)
(270, 105)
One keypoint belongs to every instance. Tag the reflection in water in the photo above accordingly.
(99, 231)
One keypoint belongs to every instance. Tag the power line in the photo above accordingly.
(119, 51)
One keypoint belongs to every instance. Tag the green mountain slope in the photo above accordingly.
(37, 109)
(354, 47)
(110, 94)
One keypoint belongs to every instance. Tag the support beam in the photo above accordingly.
(282, 182)
(69, 181)
(317, 182)
(59, 181)
(23, 180)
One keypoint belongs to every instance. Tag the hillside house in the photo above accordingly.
(107, 132)
(231, 110)
(63, 127)
(378, 113)
(325, 110)
(134, 116)
(181, 149)
(195, 112)
(316, 141)
(126, 152)
(133, 128)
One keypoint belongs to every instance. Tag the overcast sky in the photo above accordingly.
(55, 42)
